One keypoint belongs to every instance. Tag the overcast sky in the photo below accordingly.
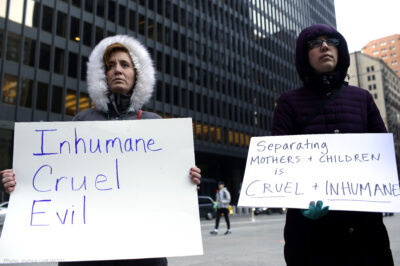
(361, 21)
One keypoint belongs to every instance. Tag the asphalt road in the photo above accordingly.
(258, 242)
(253, 242)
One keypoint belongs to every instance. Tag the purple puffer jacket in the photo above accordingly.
(352, 111)
(340, 237)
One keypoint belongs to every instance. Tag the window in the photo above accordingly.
(167, 36)
(41, 97)
(87, 34)
(61, 29)
(150, 29)
(56, 101)
(167, 64)
(59, 61)
(184, 98)
(372, 68)
(84, 101)
(375, 52)
(9, 89)
(111, 10)
(13, 47)
(26, 93)
(89, 5)
(367, 69)
(159, 91)
(176, 95)
(394, 63)
(175, 39)
(76, 3)
(159, 33)
(167, 93)
(47, 19)
(73, 62)
(44, 59)
(99, 34)
(121, 15)
(70, 102)
(29, 52)
(175, 14)
(132, 20)
(100, 8)
(83, 67)
(74, 30)
(142, 23)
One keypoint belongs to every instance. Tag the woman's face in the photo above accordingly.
(120, 72)
(323, 58)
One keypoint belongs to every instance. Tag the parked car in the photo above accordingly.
(206, 208)
(269, 211)
(3, 212)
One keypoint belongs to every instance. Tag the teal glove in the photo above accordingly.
(315, 212)
(215, 205)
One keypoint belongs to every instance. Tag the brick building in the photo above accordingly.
(387, 49)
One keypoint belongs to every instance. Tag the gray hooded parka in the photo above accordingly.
(110, 106)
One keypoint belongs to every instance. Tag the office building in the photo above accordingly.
(387, 49)
(381, 81)
(222, 63)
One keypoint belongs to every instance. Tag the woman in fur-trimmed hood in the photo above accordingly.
(126, 104)
(121, 78)
(316, 236)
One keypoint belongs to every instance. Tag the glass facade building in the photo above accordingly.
(222, 63)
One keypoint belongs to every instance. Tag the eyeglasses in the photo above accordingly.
(318, 43)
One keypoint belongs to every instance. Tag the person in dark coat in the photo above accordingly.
(121, 80)
(329, 237)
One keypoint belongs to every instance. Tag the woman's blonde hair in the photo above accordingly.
(112, 48)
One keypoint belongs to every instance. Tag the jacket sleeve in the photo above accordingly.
(375, 121)
(283, 122)
(227, 198)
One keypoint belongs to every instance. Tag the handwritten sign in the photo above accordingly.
(346, 171)
(102, 190)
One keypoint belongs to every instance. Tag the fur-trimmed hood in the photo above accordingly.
(145, 73)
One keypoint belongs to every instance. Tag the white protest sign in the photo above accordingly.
(102, 190)
(346, 171)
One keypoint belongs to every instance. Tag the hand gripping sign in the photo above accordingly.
(346, 171)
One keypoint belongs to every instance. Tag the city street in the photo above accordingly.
(254, 242)
(259, 242)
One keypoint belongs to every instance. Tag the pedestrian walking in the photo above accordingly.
(326, 104)
(223, 199)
